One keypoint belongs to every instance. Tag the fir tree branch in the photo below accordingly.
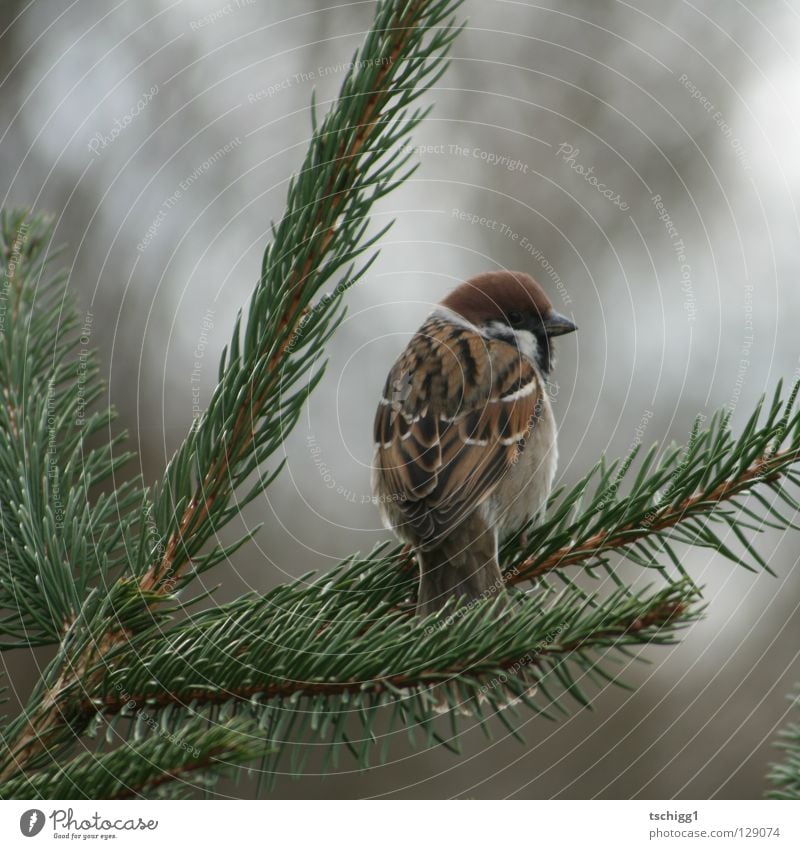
(678, 499)
(696, 481)
(374, 594)
(49, 724)
(197, 753)
(353, 160)
(339, 650)
(785, 776)
(651, 621)
(56, 542)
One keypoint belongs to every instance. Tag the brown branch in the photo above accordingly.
(765, 469)
(111, 704)
(213, 481)
(53, 714)
(208, 761)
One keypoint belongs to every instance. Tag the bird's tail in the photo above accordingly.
(464, 565)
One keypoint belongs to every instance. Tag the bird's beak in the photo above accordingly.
(557, 325)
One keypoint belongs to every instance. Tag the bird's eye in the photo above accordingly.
(516, 318)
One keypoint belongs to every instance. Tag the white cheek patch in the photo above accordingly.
(524, 340)
(498, 330)
(527, 344)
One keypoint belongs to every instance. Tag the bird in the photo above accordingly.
(465, 436)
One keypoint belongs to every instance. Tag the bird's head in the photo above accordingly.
(513, 307)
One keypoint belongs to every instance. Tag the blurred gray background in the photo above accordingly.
(162, 135)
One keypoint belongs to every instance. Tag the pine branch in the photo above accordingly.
(273, 362)
(354, 159)
(57, 541)
(340, 652)
(197, 754)
(46, 730)
(680, 498)
(236, 671)
(785, 776)
(369, 602)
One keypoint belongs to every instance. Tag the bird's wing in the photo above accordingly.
(456, 412)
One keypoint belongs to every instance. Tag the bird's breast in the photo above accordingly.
(522, 493)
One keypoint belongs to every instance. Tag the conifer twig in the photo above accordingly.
(699, 504)
(354, 159)
(715, 479)
(784, 777)
(659, 614)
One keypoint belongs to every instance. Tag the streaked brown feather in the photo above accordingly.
(429, 470)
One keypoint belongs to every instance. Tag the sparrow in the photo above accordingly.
(465, 436)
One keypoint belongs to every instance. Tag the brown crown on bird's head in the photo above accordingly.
(502, 295)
